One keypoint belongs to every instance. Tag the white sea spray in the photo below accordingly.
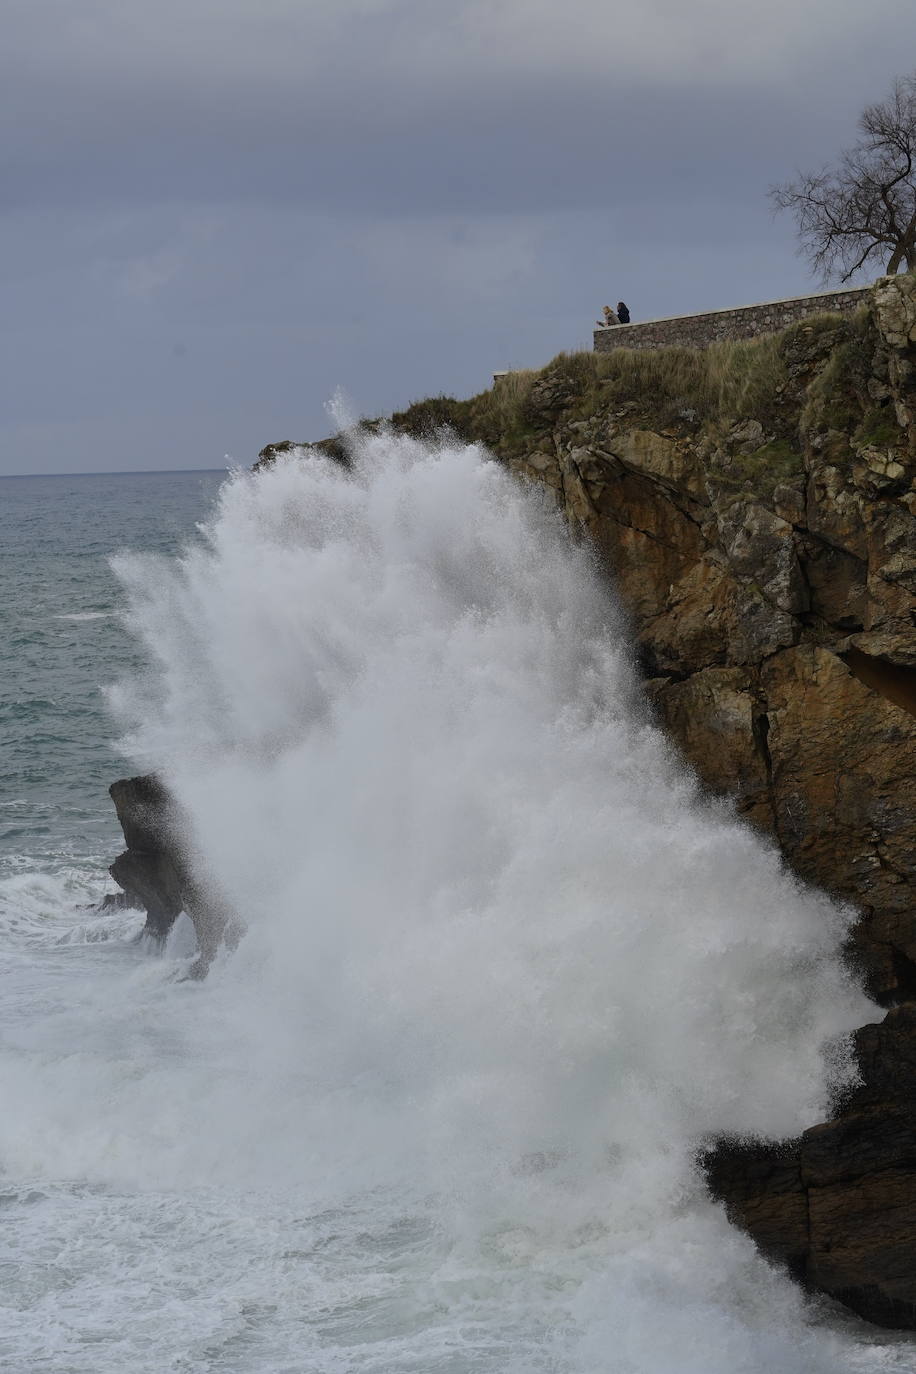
(505, 970)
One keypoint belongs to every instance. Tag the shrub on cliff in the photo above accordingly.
(677, 387)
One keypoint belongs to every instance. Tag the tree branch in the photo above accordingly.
(867, 201)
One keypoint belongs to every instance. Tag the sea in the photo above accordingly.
(505, 970)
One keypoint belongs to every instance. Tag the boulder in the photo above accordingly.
(148, 870)
(157, 872)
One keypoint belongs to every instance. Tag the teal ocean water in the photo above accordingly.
(62, 640)
(504, 969)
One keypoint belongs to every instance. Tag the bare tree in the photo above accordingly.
(865, 206)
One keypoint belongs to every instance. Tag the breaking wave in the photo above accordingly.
(505, 969)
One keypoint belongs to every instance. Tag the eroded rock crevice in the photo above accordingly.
(896, 682)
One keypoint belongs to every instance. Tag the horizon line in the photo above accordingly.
(113, 472)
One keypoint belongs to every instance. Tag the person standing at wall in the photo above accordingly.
(623, 314)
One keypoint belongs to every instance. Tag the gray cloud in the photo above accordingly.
(215, 212)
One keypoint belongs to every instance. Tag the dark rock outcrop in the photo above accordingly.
(156, 873)
(322, 448)
(148, 870)
(839, 1205)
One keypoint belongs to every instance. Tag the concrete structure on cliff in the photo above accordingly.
(743, 322)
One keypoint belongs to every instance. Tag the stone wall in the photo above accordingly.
(744, 322)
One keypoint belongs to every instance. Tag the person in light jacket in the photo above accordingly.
(609, 318)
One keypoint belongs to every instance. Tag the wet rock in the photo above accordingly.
(151, 883)
(115, 901)
(147, 871)
(157, 874)
(287, 448)
(838, 1205)
(142, 806)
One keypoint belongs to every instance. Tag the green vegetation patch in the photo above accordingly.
(680, 388)
(878, 428)
(726, 382)
(761, 472)
(427, 418)
(837, 397)
(689, 391)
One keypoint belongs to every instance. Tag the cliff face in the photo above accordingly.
(757, 507)
(756, 504)
(769, 566)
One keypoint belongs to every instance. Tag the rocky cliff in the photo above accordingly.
(756, 504)
(156, 874)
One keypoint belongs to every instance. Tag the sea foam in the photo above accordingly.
(505, 971)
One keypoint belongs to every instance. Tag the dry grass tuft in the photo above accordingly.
(729, 381)
(681, 388)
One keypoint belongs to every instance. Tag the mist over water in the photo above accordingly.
(505, 971)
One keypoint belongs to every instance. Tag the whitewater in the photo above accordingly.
(506, 972)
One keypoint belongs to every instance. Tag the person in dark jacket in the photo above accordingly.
(623, 313)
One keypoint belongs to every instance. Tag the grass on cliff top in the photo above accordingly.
(814, 376)
(840, 405)
(727, 381)
(668, 386)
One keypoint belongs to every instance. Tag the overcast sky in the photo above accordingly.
(213, 213)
